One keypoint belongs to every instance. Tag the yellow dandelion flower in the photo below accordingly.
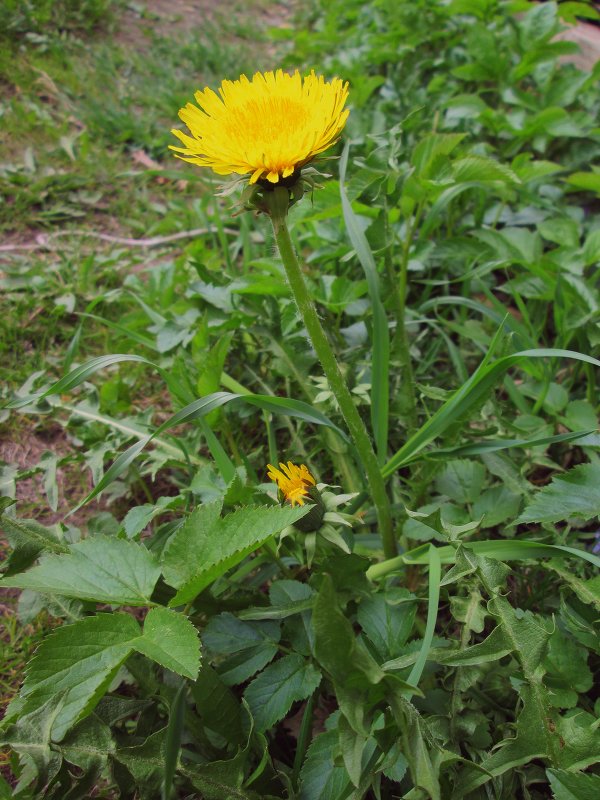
(293, 481)
(266, 127)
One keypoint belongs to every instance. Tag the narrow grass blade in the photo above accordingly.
(173, 741)
(381, 338)
(136, 336)
(200, 408)
(475, 389)
(501, 549)
(77, 376)
(224, 464)
(435, 574)
(492, 445)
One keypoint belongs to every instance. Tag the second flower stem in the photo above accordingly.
(332, 370)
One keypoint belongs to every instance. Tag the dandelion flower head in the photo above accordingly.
(267, 127)
(293, 481)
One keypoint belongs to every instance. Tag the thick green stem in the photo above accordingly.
(331, 369)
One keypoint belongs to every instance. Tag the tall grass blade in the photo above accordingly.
(435, 574)
(380, 391)
(475, 389)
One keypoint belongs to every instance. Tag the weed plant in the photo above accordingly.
(212, 640)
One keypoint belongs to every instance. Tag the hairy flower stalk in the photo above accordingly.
(325, 354)
(270, 128)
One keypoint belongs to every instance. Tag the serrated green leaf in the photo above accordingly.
(250, 646)
(567, 671)
(469, 610)
(101, 569)
(575, 494)
(494, 647)
(336, 645)
(496, 505)
(573, 785)
(217, 705)
(272, 693)
(387, 620)
(80, 660)
(31, 738)
(320, 778)
(29, 539)
(530, 742)
(587, 591)
(430, 147)
(461, 480)
(171, 640)
(146, 761)
(206, 546)
(89, 744)
(482, 169)
(580, 740)
(588, 181)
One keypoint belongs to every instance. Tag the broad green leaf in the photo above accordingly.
(29, 539)
(208, 545)
(321, 778)
(496, 505)
(271, 694)
(461, 480)
(430, 147)
(102, 569)
(494, 647)
(387, 620)
(482, 169)
(89, 743)
(567, 671)
(82, 659)
(469, 610)
(588, 591)
(419, 747)
(575, 494)
(526, 633)
(531, 742)
(588, 181)
(217, 705)
(220, 780)
(336, 645)
(31, 738)
(171, 640)
(88, 746)
(579, 735)
(146, 761)
(573, 785)
(352, 745)
(249, 646)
